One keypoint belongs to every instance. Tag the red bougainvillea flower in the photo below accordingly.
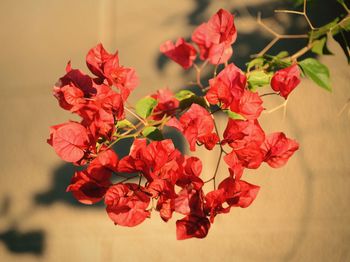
(249, 105)
(215, 37)
(285, 80)
(106, 66)
(233, 192)
(227, 87)
(182, 52)
(196, 125)
(246, 138)
(278, 149)
(127, 204)
(86, 189)
(69, 140)
(72, 89)
(239, 133)
(192, 226)
(167, 103)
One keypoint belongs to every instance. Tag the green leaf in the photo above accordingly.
(145, 106)
(282, 54)
(183, 94)
(258, 79)
(317, 72)
(257, 63)
(187, 102)
(234, 115)
(152, 133)
(320, 47)
(125, 124)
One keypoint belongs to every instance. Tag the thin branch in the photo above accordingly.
(135, 115)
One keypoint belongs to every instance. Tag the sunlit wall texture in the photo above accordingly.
(302, 210)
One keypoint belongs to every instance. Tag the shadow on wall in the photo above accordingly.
(17, 241)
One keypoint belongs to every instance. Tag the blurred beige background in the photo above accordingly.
(302, 211)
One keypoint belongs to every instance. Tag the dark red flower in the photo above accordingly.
(182, 52)
(69, 140)
(192, 226)
(127, 204)
(278, 149)
(86, 189)
(196, 124)
(285, 80)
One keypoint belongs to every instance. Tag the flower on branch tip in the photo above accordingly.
(215, 37)
(181, 52)
(286, 80)
(278, 149)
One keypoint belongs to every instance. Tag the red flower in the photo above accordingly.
(69, 140)
(127, 204)
(182, 52)
(215, 38)
(196, 124)
(233, 192)
(106, 66)
(249, 105)
(239, 133)
(192, 226)
(227, 87)
(285, 80)
(278, 149)
(86, 189)
(167, 103)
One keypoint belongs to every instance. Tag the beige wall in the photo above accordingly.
(301, 213)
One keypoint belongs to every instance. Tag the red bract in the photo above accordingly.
(278, 149)
(239, 133)
(70, 140)
(86, 189)
(192, 226)
(249, 105)
(106, 66)
(215, 38)
(182, 52)
(233, 192)
(285, 80)
(227, 88)
(127, 204)
(167, 103)
(196, 125)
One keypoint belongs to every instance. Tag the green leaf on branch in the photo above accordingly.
(184, 94)
(187, 98)
(153, 133)
(257, 63)
(317, 72)
(258, 79)
(320, 47)
(234, 115)
(125, 124)
(145, 106)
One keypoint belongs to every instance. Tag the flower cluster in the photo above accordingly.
(168, 181)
